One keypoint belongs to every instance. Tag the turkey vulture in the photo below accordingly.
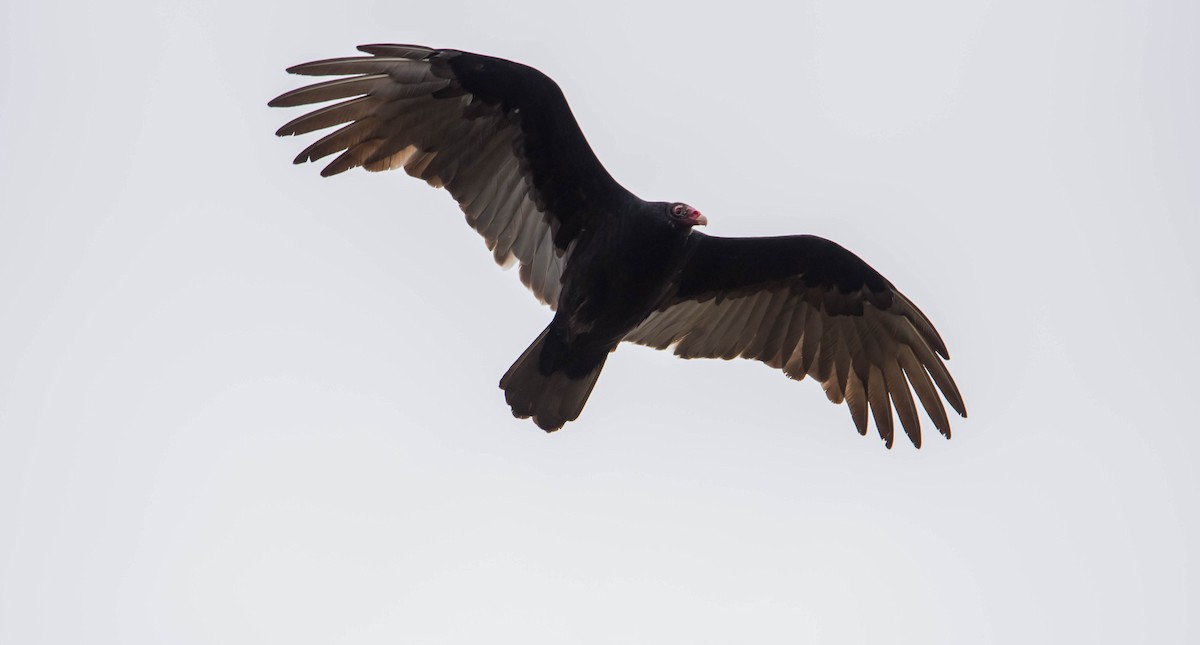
(500, 137)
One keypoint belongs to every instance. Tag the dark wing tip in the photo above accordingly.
(307, 69)
(414, 52)
(913, 430)
(954, 397)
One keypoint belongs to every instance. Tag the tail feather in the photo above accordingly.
(551, 399)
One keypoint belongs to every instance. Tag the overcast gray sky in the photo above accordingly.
(242, 404)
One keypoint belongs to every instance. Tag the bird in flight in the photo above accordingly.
(500, 137)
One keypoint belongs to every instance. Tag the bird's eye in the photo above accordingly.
(677, 209)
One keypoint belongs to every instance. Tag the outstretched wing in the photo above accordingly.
(809, 307)
(498, 135)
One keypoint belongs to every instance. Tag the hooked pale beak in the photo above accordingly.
(698, 219)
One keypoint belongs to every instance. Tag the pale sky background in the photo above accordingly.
(243, 404)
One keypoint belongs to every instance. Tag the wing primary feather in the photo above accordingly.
(924, 326)
(903, 401)
(331, 90)
(398, 51)
(842, 358)
(353, 157)
(400, 69)
(924, 389)
(860, 362)
(338, 140)
(329, 116)
(881, 409)
(856, 401)
(940, 376)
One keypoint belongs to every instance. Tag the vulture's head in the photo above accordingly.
(685, 215)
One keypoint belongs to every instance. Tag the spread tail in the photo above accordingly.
(539, 386)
